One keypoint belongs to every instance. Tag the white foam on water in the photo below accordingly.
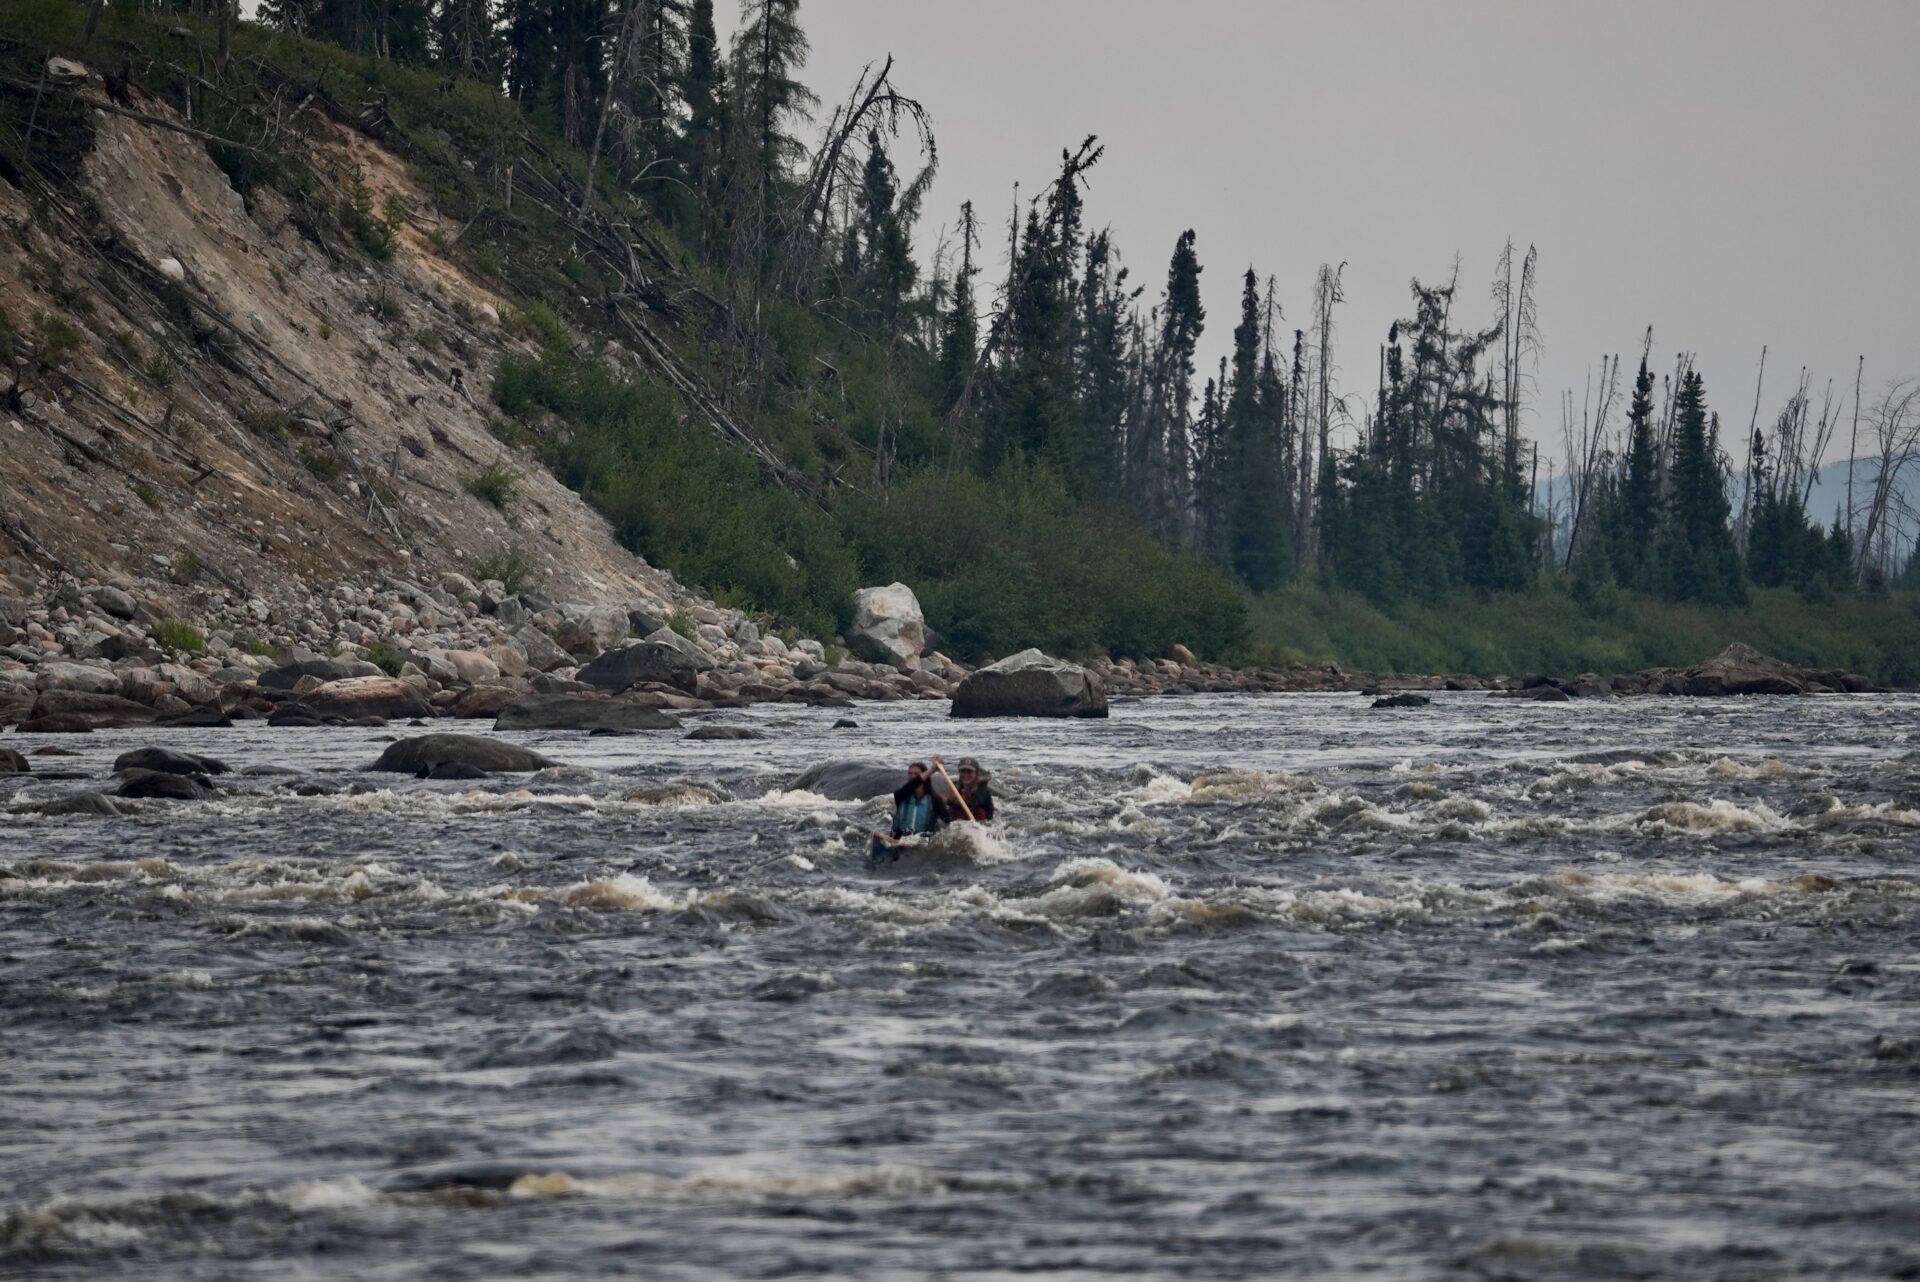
(726, 1184)
(343, 1194)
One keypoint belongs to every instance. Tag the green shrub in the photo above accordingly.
(493, 484)
(383, 656)
(149, 494)
(159, 371)
(681, 622)
(250, 643)
(179, 636)
(375, 237)
(323, 463)
(510, 566)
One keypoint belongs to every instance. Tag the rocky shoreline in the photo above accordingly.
(77, 656)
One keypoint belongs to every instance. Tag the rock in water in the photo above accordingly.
(888, 626)
(665, 657)
(1741, 669)
(168, 761)
(159, 783)
(442, 755)
(89, 711)
(356, 697)
(1031, 684)
(849, 780)
(1405, 699)
(201, 717)
(581, 712)
(12, 763)
(726, 732)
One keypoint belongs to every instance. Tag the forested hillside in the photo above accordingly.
(742, 350)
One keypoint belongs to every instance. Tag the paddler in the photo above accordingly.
(917, 810)
(972, 799)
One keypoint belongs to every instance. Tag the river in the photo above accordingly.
(1242, 987)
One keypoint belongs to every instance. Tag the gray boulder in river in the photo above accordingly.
(169, 761)
(12, 763)
(888, 626)
(848, 780)
(432, 753)
(580, 712)
(665, 657)
(1031, 684)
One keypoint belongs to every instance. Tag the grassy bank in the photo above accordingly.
(1548, 631)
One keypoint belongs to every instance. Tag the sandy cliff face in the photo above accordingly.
(248, 406)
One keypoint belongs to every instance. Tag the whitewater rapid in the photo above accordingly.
(1240, 986)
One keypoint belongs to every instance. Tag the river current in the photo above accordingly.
(1240, 987)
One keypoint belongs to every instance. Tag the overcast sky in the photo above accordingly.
(1732, 172)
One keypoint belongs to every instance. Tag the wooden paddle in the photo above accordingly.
(954, 788)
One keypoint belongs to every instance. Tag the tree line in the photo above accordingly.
(1065, 368)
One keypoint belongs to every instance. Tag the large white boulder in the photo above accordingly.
(888, 626)
(1031, 684)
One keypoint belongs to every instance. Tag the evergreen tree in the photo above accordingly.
(959, 345)
(885, 270)
(1105, 366)
(1257, 521)
(1182, 318)
(1638, 506)
(466, 39)
(703, 89)
(1697, 557)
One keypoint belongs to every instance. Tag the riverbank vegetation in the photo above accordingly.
(742, 349)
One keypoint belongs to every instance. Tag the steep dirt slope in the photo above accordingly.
(247, 402)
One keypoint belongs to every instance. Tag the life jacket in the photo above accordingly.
(913, 815)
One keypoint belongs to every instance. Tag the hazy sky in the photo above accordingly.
(1732, 172)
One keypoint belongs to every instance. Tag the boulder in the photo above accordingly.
(726, 733)
(542, 654)
(61, 723)
(677, 663)
(197, 717)
(115, 602)
(471, 667)
(1179, 654)
(488, 698)
(81, 803)
(97, 711)
(288, 675)
(193, 687)
(16, 702)
(1031, 684)
(580, 712)
(1404, 699)
(888, 626)
(76, 676)
(1741, 669)
(607, 626)
(355, 697)
(647, 617)
(849, 780)
(162, 784)
(449, 753)
(12, 763)
(169, 761)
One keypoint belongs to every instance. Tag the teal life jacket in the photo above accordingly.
(913, 815)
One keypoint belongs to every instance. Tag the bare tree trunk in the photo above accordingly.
(1853, 446)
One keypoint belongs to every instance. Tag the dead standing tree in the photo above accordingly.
(1896, 429)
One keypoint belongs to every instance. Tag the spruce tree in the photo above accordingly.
(1697, 557)
(703, 88)
(960, 326)
(1182, 318)
(1639, 497)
